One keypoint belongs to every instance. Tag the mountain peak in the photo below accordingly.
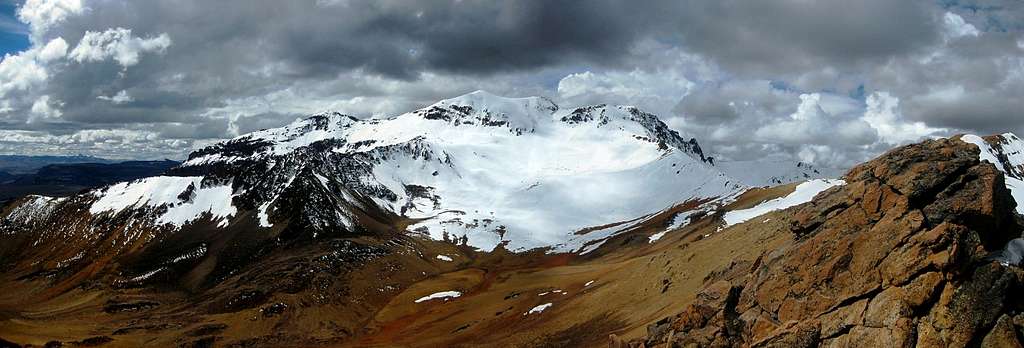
(527, 113)
(484, 98)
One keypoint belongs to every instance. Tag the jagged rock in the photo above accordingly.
(1003, 335)
(897, 257)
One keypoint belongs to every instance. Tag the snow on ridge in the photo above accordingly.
(804, 193)
(34, 206)
(439, 295)
(185, 197)
(1013, 148)
(524, 113)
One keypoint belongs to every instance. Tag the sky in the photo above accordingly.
(830, 82)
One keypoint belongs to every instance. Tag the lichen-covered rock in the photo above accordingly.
(898, 257)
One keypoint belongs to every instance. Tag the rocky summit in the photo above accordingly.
(900, 256)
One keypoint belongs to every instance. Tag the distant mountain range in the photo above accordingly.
(20, 164)
(61, 176)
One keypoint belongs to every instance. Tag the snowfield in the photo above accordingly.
(804, 193)
(185, 198)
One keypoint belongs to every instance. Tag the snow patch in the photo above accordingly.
(437, 295)
(655, 237)
(804, 193)
(444, 258)
(678, 221)
(539, 308)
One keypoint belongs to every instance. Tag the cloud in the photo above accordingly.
(42, 15)
(110, 143)
(121, 97)
(884, 116)
(43, 111)
(812, 125)
(119, 44)
(955, 26)
(55, 49)
(791, 37)
(20, 72)
(744, 120)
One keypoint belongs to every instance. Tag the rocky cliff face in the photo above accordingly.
(900, 256)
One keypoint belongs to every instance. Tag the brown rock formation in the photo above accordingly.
(897, 257)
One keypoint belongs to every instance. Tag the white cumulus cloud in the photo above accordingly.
(118, 44)
(43, 111)
(883, 115)
(20, 72)
(41, 15)
(55, 49)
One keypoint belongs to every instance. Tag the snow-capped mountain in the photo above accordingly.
(479, 169)
(774, 172)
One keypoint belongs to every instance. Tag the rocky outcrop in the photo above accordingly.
(897, 257)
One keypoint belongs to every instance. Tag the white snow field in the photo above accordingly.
(166, 190)
(804, 193)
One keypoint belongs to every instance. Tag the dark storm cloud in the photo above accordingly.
(776, 37)
(480, 37)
